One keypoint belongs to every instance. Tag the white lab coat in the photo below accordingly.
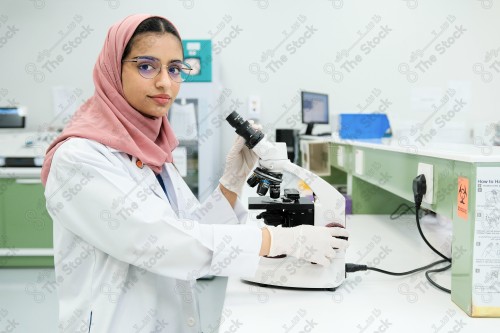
(126, 256)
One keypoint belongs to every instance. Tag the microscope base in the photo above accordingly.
(289, 272)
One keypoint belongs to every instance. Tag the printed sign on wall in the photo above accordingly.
(463, 198)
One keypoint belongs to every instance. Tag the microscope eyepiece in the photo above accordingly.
(264, 179)
(244, 129)
(235, 120)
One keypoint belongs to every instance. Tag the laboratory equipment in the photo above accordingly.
(291, 138)
(314, 110)
(327, 209)
(12, 117)
(198, 54)
(364, 126)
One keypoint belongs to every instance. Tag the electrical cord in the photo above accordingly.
(427, 275)
(426, 241)
(401, 210)
(419, 189)
(404, 208)
(351, 268)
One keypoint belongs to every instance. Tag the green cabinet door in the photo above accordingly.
(24, 222)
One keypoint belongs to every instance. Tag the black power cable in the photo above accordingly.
(419, 189)
(401, 210)
(427, 275)
(427, 242)
(351, 268)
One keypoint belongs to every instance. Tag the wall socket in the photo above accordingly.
(428, 171)
(254, 107)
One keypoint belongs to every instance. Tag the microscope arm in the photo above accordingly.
(329, 204)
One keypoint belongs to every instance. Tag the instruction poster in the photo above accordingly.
(486, 259)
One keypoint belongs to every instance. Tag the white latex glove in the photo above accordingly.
(314, 244)
(240, 161)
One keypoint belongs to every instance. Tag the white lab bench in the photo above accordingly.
(367, 301)
(463, 183)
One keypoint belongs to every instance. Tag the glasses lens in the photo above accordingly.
(179, 71)
(148, 68)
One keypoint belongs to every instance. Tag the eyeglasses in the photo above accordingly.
(150, 67)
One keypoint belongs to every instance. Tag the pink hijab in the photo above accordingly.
(106, 117)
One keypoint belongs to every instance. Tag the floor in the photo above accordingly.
(28, 301)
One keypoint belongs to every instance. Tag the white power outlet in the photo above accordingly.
(254, 107)
(428, 171)
(359, 161)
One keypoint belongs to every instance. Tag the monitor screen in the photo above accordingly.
(314, 109)
(11, 117)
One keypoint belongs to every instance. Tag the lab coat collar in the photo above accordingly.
(169, 175)
(166, 174)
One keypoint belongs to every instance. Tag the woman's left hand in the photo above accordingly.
(240, 161)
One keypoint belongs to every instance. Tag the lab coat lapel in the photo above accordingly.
(172, 181)
(146, 178)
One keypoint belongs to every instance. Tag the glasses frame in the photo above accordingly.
(185, 67)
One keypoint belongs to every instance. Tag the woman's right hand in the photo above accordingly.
(312, 243)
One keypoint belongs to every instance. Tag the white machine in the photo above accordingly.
(328, 209)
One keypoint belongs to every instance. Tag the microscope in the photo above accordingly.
(289, 210)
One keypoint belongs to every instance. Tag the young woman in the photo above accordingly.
(130, 239)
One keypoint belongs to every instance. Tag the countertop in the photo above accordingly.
(367, 301)
(452, 151)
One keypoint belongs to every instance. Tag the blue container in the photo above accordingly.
(363, 126)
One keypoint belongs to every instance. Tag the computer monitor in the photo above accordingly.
(12, 117)
(314, 109)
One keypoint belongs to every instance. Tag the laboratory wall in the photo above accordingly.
(431, 66)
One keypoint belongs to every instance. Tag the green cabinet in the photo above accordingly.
(25, 225)
(465, 189)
